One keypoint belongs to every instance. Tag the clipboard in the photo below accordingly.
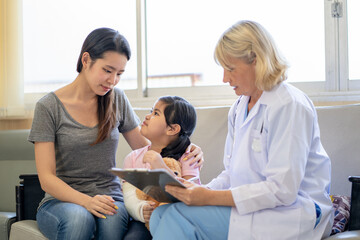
(151, 182)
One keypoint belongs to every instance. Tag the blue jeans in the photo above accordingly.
(179, 221)
(62, 220)
(137, 231)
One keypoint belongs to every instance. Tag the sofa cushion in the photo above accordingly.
(26, 229)
(348, 235)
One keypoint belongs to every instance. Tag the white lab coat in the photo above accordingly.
(276, 168)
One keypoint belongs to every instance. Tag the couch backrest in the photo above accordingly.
(340, 135)
(16, 157)
(15, 146)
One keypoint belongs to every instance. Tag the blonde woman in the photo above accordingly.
(277, 174)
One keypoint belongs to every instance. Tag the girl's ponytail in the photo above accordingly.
(181, 112)
(177, 148)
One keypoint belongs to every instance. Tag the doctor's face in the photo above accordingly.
(241, 77)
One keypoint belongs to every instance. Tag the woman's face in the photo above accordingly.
(154, 126)
(103, 74)
(241, 77)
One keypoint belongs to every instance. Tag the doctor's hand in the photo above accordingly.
(100, 205)
(195, 195)
(195, 155)
(154, 159)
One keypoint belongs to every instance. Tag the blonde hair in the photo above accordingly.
(249, 41)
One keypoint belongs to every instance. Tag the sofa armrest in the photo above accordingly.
(28, 196)
(6, 219)
(355, 179)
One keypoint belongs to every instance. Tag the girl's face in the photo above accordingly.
(241, 77)
(154, 126)
(103, 74)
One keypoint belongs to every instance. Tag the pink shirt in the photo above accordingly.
(135, 160)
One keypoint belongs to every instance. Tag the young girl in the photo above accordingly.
(168, 127)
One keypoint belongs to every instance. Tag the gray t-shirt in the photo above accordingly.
(80, 165)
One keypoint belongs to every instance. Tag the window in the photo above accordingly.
(179, 40)
(181, 37)
(55, 30)
(353, 7)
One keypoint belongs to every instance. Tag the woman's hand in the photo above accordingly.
(195, 155)
(148, 208)
(154, 159)
(193, 194)
(100, 205)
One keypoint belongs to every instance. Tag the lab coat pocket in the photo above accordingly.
(281, 223)
(258, 149)
(308, 216)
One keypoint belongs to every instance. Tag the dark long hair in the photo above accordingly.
(178, 111)
(98, 42)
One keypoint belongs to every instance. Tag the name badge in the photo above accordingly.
(256, 145)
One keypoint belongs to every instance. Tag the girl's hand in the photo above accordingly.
(154, 159)
(100, 205)
(195, 155)
(147, 211)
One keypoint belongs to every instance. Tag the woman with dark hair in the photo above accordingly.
(75, 132)
(168, 127)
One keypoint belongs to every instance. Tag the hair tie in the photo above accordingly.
(183, 133)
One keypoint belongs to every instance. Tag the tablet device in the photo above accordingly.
(151, 182)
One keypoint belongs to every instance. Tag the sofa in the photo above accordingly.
(339, 133)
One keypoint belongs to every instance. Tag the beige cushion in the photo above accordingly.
(348, 235)
(26, 229)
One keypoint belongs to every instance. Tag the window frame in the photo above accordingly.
(336, 87)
